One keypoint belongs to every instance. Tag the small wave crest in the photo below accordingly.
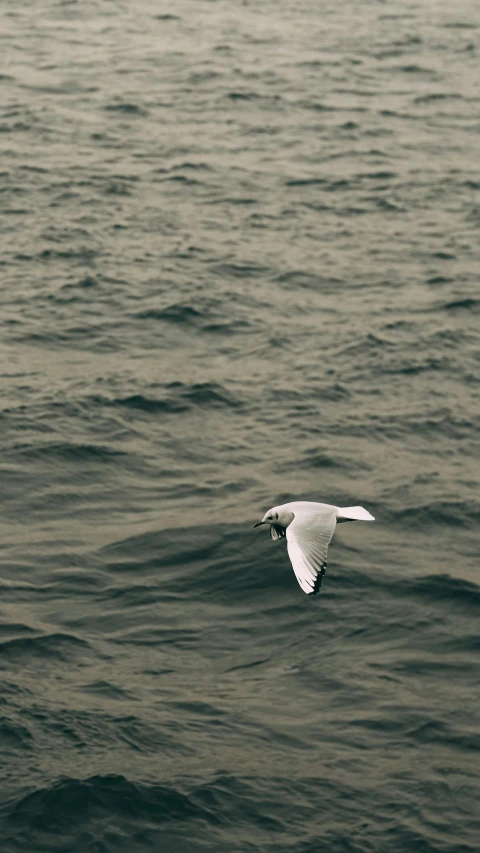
(180, 397)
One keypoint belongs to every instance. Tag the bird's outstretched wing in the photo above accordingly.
(308, 538)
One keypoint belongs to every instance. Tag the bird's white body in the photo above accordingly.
(309, 527)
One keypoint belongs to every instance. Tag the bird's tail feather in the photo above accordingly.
(355, 513)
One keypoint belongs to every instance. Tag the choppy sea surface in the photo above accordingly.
(240, 265)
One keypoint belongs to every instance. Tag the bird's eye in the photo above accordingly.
(269, 517)
(276, 515)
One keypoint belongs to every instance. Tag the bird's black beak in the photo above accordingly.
(259, 523)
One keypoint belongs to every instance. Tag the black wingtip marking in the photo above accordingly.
(318, 580)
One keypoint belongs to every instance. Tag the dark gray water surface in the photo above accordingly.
(240, 262)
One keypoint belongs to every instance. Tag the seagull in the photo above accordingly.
(309, 527)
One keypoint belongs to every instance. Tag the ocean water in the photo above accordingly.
(240, 265)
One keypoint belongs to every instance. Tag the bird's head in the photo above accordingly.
(276, 515)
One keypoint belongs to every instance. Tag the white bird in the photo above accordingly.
(309, 527)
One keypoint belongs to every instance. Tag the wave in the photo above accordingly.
(65, 452)
(446, 588)
(176, 313)
(465, 514)
(466, 303)
(127, 107)
(15, 736)
(68, 803)
(60, 646)
(315, 458)
(93, 808)
(182, 397)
